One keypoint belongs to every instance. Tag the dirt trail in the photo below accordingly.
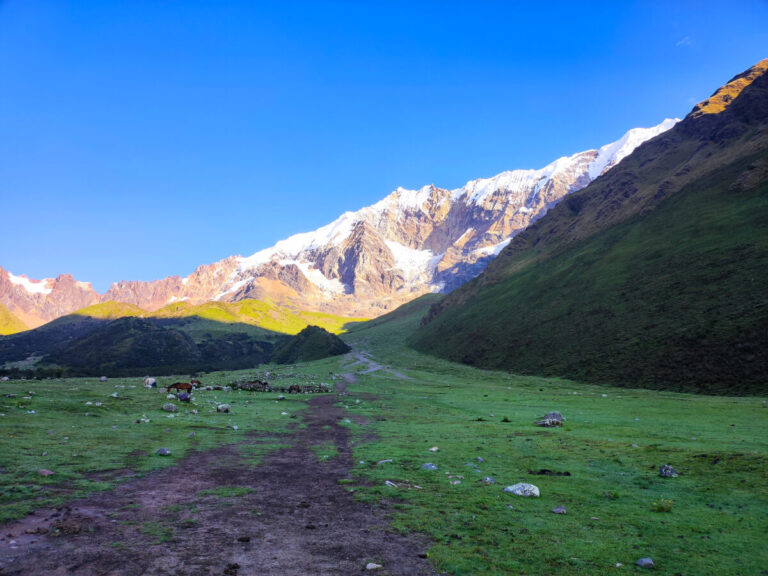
(298, 520)
(373, 366)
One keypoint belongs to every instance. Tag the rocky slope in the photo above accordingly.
(366, 262)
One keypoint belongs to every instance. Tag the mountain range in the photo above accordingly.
(364, 263)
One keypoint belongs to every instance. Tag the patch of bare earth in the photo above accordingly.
(297, 519)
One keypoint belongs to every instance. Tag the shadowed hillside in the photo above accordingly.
(652, 276)
(121, 339)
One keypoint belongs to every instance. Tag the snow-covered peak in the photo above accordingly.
(519, 190)
(32, 286)
(611, 154)
(333, 233)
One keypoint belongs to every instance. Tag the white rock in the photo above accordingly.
(523, 489)
(373, 566)
(434, 449)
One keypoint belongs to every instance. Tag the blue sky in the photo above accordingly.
(140, 139)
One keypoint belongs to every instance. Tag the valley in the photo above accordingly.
(357, 457)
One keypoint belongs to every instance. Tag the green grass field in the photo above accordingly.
(91, 439)
(712, 519)
(612, 445)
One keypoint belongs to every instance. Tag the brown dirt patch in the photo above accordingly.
(297, 519)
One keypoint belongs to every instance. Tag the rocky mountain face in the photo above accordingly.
(36, 302)
(366, 262)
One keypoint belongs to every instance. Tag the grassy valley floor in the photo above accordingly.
(602, 465)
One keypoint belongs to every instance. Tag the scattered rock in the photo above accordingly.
(429, 466)
(170, 396)
(244, 539)
(373, 566)
(666, 471)
(554, 416)
(480, 459)
(487, 480)
(163, 452)
(387, 461)
(390, 484)
(150, 383)
(191, 435)
(222, 408)
(103, 379)
(548, 423)
(46, 472)
(184, 397)
(523, 489)
(281, 397)
(434, 449)
(645, 563)
(168, 407)
(559, 510)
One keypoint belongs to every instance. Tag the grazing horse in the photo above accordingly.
(181, 387)
(196, 383)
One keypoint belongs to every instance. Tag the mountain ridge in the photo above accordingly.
(364, 263)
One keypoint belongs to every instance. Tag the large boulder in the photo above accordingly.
(523, 489)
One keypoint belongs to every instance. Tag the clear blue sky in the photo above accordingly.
(139, 139)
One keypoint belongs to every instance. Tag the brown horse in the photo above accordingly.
(181, 387)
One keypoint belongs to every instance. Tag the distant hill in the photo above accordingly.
(312, 343)
(114, 338)
(654, 275)
(10, 324)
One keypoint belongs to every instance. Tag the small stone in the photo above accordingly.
(666, 471)
(373, 566)
(480, 459)
(168, 407)
(45, 472)
(549, 423)
(523, 489)
(645, 563)
(429, 466)
(559, 510)
(163, 452)
(434, 449)
(487, 480)
(244, 539)
(103, 379)
(281, 397)
(191, 435)
(387, 461)
(554, 416)
(222, 408)
(390, 484)
(114, 394)
(455, 482)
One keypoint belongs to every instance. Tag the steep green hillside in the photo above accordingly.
(9, 323)
(312, 343)
(652, 276)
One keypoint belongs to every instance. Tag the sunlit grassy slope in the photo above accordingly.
(9, 323)
(611, 445)
(265, 315)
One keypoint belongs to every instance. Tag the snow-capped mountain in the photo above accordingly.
(370, 261)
